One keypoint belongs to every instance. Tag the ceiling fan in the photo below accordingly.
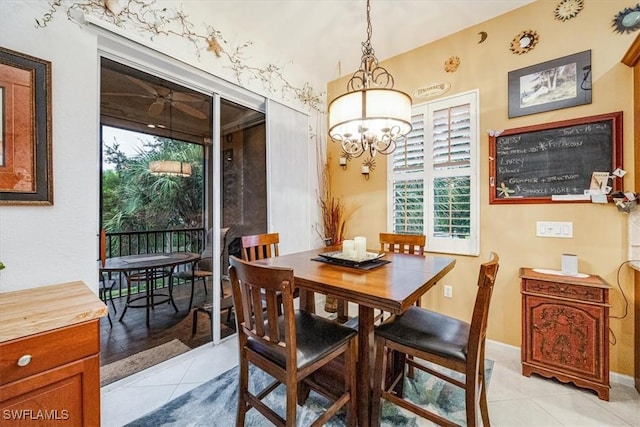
(162, 96)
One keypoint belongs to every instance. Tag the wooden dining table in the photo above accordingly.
(392, 287)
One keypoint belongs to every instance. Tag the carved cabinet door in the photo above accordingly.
(565, 335)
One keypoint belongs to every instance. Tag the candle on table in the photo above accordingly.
(347, 247)
(360, 246)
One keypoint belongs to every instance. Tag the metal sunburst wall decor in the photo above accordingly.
(524, 42)
(627, 20)
(568, 9)
(451, 65)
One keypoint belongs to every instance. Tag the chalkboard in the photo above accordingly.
(534, 163)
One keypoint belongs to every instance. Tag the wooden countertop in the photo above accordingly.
(31, 311)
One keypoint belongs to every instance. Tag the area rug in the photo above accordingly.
(215, 403)
(139, 361)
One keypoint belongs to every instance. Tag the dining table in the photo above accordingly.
(392, 283)
(148, 268)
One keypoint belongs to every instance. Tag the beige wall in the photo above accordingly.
(600, 232)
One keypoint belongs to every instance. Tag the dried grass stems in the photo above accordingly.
(335, 212)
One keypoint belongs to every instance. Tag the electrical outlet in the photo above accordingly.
(448, 291)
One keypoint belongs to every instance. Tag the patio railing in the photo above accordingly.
(150, 242)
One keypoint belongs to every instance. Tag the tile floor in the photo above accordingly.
(514, 400)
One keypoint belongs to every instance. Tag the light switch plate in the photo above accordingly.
(559, 229)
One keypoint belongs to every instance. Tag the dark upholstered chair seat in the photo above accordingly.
(315, 338)
(418, 336)
(428, 331)
(288, 344)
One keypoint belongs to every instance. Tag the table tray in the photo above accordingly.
(369, 262)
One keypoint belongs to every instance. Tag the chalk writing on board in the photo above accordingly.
(540, 163)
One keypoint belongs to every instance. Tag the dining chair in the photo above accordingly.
(439, 340)
(226, 303)
(203, 268)
(402, 243)
(105, 293)
(260, 246)
(413, 244)
(106, 284)
(289, 346)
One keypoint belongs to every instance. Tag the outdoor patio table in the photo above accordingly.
(148, 264)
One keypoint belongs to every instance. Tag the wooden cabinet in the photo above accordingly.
(565, 327)
(50, 374)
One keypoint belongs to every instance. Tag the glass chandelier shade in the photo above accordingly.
(370, 120)
(372, 116)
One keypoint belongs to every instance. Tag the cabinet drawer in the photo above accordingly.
(565, 290)
(48, 350)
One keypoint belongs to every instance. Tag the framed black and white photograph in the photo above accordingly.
(552, 85)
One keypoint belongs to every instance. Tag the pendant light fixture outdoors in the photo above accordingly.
(371, 116)
(170, 168)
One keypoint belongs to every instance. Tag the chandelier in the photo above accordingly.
(170, 168)
(371, 116)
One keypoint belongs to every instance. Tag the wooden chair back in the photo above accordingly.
(103, 246)
(435, 339)
(271, 342)
(260, 246)
(403, 243)
(480, 316)
(257, 290)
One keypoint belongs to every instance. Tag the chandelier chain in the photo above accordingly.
(371, 117)
(367, 48)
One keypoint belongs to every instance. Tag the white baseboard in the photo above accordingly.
(626, 380)
(513, 351)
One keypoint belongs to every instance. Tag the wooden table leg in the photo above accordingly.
(126, 304)
(149, 292)
(365, 364)
(308, 301)
(343, 310)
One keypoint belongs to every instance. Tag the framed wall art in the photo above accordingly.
(26, 176)
(552, 85)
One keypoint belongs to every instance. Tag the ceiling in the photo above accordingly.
(326, 35)
(133, 100)
(323, 37)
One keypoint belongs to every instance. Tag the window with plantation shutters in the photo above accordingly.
(407, 182)
(433, 176)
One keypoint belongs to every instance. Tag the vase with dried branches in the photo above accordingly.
(334, 215)
(334, 211)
